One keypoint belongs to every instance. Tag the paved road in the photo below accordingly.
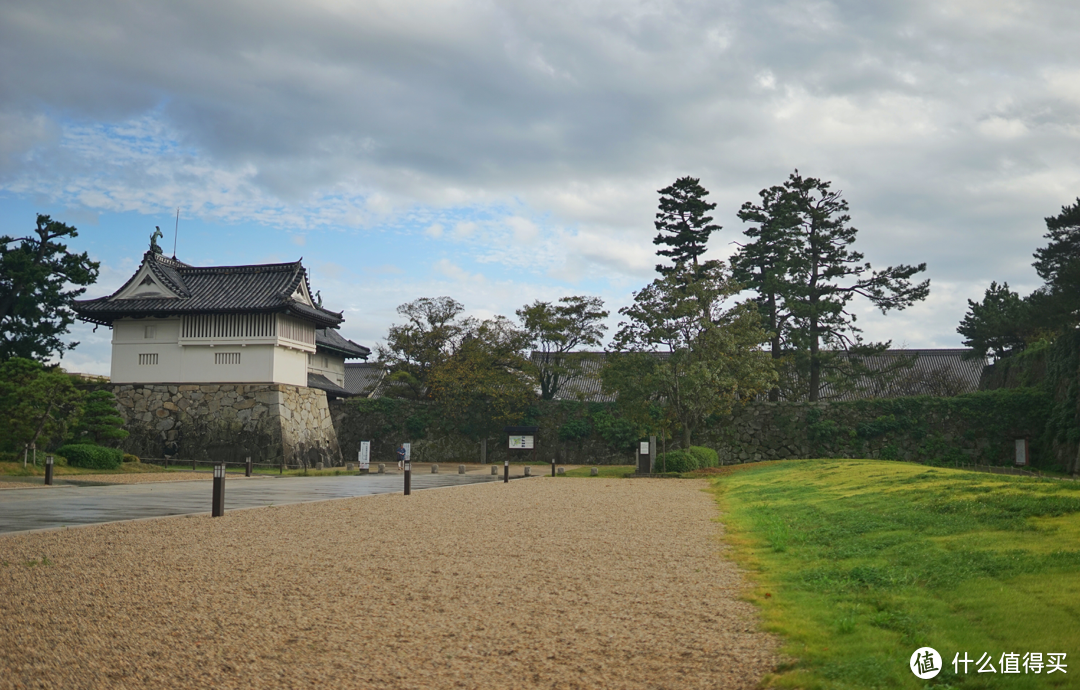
(25, 509)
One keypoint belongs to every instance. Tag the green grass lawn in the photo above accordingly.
(608, 471)
(857, 563)
(15, 469)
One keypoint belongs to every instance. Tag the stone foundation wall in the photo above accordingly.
(228, 422)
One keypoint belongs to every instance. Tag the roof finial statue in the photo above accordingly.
(318, 297)
(153, 240)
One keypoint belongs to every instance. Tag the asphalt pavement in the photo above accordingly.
(60, 506)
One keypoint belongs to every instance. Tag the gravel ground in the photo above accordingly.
(19, 485)
(566, 583)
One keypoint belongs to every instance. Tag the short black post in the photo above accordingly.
(193, 464)
(247, 471)
(282, 469)
(553, 467)
(219, 491)
(408, 477)
(506, 471)
(48, 470)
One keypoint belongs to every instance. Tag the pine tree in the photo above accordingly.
(100, 423)
(682, 223)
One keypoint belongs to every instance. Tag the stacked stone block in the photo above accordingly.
(272, 423)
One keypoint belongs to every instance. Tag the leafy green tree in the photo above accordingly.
(682, 224)
(482, 385)
(680, 348)
(36, 403)
(816, 273)
(431, 334)
(39, 279)
(100, 423)
(555, 331)
(999, 324)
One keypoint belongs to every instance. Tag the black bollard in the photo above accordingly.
(48, 470)
(219, 491)
(408, 477)
(247, 471)
(193, 464)
(553, 467)
(506, 471)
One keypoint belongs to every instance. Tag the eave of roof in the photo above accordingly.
(262, 288)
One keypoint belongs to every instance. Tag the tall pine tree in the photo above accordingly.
(682, 224)
(807, 270)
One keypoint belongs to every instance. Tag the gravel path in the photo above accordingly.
(555, 583)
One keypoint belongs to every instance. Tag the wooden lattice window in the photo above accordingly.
(226, 358)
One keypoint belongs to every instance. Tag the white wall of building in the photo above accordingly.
(329, 365)
(151, 351)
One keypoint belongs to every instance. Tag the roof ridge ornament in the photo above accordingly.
(154, 247)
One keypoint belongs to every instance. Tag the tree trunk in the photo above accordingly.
(815, 362)
(686, 437)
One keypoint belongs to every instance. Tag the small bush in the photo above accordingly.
(91, 457)
(128, 457)
(676, 461)
(706, 457)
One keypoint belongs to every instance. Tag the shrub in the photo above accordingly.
(706, 457)
(91, 457)
(128, 457)
(676, 461)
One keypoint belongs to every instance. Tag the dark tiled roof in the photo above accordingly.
(212, 290)
(363, 379)
(944, 372)
(330, 339)
(324, 384)
(584, 384)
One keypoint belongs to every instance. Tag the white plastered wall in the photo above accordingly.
(329, 365)
(261, 363)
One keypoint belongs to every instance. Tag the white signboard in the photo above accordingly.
(365, 455)
(1021, 451)
(408, 451)
(521, 442)
(644, 450)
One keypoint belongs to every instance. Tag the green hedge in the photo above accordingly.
(706, 457)
(676, 461)
(92, 457)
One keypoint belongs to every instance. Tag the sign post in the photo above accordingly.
(643, 465)
(48, 470)
(520, 438)
(364, 456)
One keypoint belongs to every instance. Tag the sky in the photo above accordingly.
(503, 152)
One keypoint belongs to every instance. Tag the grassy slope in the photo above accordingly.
(859, 563)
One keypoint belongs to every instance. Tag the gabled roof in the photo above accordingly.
(363, 378)
(261, 288)
(330, 339)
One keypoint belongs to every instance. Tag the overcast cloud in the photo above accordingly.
(450, 131)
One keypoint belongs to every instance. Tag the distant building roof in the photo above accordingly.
(943, 372)
(173, 288)
(938, 372)
(324, 384)
(330, 339)
(363, 378)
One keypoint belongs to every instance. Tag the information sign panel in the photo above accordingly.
(365, 455)
(521, 442)
(408, 451)
(644, 448)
